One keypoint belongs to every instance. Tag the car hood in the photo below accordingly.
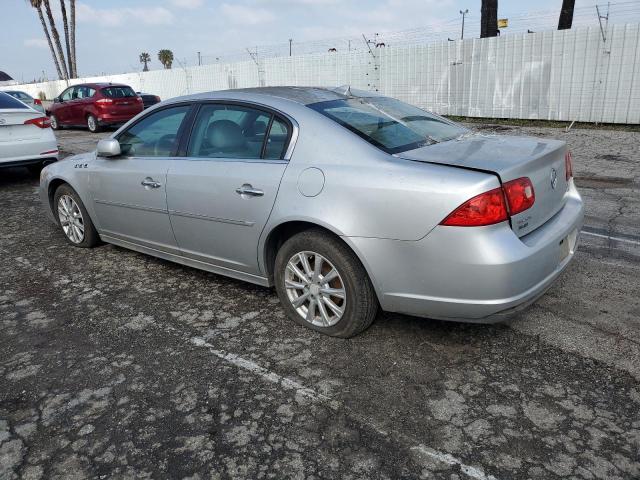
(509, 157)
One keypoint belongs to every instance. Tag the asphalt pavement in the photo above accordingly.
(114, 364)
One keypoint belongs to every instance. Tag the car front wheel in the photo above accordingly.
(73, 218)
(54, 122)
(323, 286)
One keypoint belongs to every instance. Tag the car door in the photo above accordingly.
(82, 99)
(129, 191)
(221, 193)
(64, 107)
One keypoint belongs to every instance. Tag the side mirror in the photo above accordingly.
(57, 100)
(108, 147)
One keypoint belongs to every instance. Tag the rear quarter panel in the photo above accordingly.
(367, 193)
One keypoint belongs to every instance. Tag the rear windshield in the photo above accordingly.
(7, 101)
(118, 92)
(389, 124)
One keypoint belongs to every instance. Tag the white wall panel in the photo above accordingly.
(557, 75)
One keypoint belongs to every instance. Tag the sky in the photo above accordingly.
(111, 34)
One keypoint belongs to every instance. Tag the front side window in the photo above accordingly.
(232, 131)
(67, 94)
(156, 135)
(389, 124)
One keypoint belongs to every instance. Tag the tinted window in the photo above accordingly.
(277, 140)
(228, 131)
(118, 92)
(20, 96)
(389, 124)
(85, 92)
(156, 135)
(7, 101)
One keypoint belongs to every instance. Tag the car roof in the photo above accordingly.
(301, 95)
(100, 85)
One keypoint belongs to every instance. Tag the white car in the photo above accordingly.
(26, 137)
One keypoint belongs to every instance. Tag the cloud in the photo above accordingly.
(189, 4)
(116, 17)
(36, 43)
(243, 15)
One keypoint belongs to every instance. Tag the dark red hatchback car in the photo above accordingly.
(94, 105)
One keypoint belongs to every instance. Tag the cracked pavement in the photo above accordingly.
(114, 364)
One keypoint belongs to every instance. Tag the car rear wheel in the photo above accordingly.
(323, 286)
(92, 124)
(54, 122)
(74, 219)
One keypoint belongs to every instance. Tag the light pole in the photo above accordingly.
(290, 41)
(463, 15)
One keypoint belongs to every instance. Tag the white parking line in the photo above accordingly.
(609, 237)
(299, 389)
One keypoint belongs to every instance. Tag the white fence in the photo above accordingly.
(580, 74)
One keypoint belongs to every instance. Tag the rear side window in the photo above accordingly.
(7, 101)
(277, 140)
(118, 92)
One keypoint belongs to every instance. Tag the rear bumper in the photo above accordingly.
(480, 274)
(109, 119)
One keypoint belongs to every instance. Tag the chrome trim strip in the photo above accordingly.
(133, 207)
(211, 219)
(227, 272)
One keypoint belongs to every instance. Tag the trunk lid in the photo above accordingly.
(541, 160)
(12, 127)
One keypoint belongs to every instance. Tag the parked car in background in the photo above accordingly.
(342, 200)
(148, 99)
(94, 105)
(34, 103)
(26, 138)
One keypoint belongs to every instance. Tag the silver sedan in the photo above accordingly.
(345, 201)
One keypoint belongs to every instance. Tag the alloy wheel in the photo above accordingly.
(315, 289)
(91, 123)
(71, 219)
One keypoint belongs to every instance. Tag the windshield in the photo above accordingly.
(389, 124)
(118, 92)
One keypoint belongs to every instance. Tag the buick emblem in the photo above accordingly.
(554, 178)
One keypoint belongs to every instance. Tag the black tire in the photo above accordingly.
(92, 124)
(361, 300)
(54, 122)
(91, 237)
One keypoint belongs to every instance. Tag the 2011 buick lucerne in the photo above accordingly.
(344, 200)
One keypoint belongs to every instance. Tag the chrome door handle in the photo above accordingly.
(247, 189)
(150, 183)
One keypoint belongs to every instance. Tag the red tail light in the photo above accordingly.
(568, 164)
(491, 207)
(520, 195)
(37, 101)
(158, 99)
(484, 209)
(40, 122)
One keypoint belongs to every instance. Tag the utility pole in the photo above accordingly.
(463, 15)
(290, 40)
(199, 59)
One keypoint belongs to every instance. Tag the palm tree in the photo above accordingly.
(65, 24)
(489, 18)
(72, 23)
(37, 4)
(166, 58)
(566, 14)
(56, 39)
(145, 58)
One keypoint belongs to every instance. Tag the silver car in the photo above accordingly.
(345, 201)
